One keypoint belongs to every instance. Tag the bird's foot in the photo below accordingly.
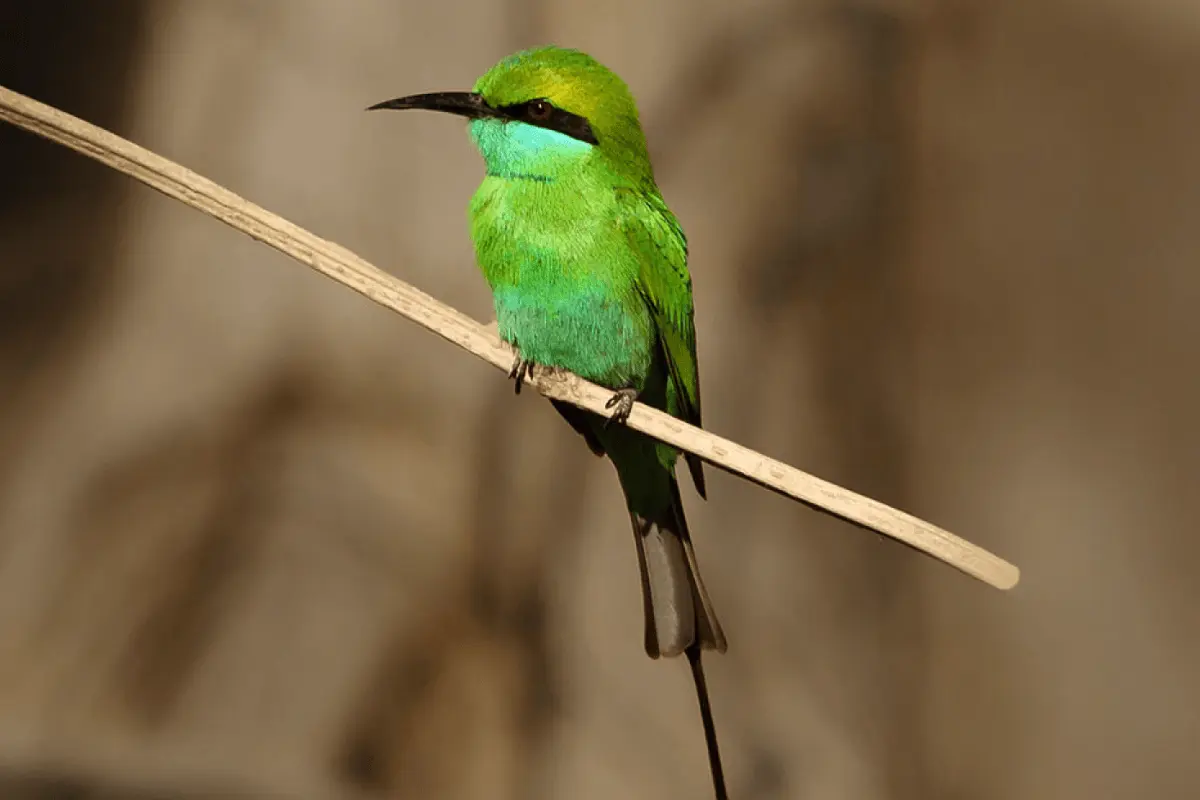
(622, 400)
(522, 368)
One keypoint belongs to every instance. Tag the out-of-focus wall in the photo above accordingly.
(1056, 277)
(259, 537)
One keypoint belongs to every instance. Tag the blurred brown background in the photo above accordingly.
(261, 538)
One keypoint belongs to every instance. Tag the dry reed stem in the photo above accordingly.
(348, 269)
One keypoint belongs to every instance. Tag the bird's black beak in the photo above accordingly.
(464, 104)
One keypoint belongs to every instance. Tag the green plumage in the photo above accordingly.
(593, 279)
(588, 271)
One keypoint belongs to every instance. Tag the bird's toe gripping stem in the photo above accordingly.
(622, 400)
(522, 368)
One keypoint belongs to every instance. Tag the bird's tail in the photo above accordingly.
(679, 615)
(677, 609)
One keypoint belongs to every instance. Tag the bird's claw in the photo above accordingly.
(522, 368)
(622, 400)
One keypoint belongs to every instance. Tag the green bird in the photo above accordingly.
(588, 271)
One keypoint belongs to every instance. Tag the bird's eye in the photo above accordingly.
(539, 110)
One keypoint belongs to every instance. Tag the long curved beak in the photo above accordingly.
(464, 104)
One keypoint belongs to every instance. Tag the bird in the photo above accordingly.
(588, 269)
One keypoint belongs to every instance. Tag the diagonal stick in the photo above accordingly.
(341, 265)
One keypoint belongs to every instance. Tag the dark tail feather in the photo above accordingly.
(677, 609)
(679, 615)
(710, 727)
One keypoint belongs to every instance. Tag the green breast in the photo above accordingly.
(563, 279)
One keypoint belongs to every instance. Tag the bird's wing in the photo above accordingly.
(666, 286)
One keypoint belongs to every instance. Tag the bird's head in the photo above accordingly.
(542, 114)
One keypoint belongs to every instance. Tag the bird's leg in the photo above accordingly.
(522, 368)
(622, 399)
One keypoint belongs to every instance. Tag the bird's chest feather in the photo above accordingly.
(563, 280)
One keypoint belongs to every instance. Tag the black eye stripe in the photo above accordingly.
(565, 122)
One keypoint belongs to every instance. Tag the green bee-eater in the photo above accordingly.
(588, 270)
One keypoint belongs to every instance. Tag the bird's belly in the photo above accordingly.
(590, 332)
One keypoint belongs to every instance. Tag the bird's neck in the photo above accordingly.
(520, 152)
